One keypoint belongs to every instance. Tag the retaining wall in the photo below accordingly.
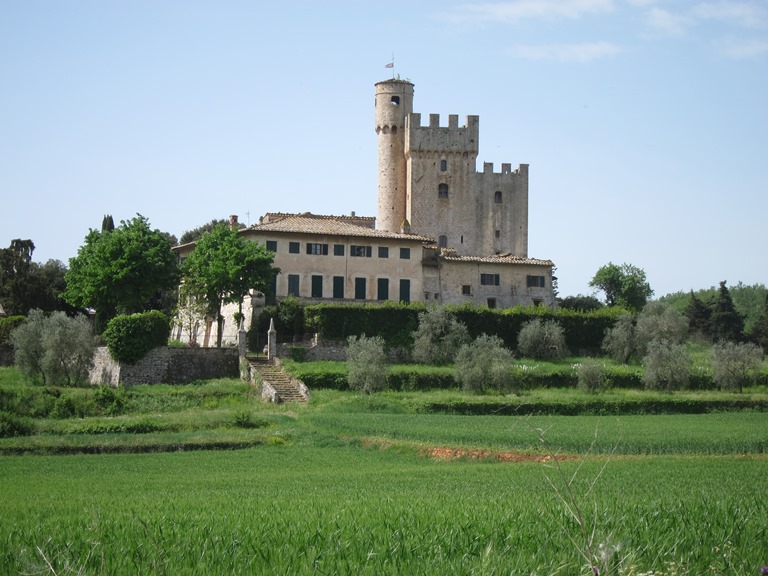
(166, 366)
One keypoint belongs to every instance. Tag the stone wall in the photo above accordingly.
(166, 366)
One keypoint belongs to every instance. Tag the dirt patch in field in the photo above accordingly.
(442, 453)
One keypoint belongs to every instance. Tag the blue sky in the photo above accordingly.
(645, 123)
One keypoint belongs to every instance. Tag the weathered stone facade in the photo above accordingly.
(166, 365)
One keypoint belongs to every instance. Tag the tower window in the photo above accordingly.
(442, 190)
(442, 241)
(497, 197)
(498, 233)
(443, 165)
(395, 101)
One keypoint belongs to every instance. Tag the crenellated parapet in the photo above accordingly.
(445, 139)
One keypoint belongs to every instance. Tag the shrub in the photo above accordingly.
(130, 337)
(57, 349)
(110, 400)
(12, 425)
(667, 366)
(439, 337)
(484, 364)
(366, 363)
(733, 363)
(659, 321)
(619, 341)
(592, 377)
(542, 340)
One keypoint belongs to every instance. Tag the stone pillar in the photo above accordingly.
(271, 340)
(241, 339)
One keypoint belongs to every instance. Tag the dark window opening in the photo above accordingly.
(317, 249)
(338, 286)
(489, 279)
(443, 165)
(537, 302)
(294, 247)
(317, 286)
(497, 197)
(535, 281)
(395, 101)
(442, 190)
(405, 253)
(383, 252)
(338, 249)
(382, 289)
(498, 233)
(359, 288)
(360, 251)
(405, 290)
(491, 302)
(272, 245)
(442, 241)
(293, 285)
(466, 290)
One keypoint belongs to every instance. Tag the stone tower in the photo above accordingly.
(394, 102)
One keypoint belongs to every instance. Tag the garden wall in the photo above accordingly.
(166, 366)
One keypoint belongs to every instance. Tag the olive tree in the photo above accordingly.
(439, 337)
(667, 366)
(619, 341)
(366, 363)
(659, 321)
(732, 363)
(542, 340)
(484, 364)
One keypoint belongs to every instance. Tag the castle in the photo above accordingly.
(444, 233)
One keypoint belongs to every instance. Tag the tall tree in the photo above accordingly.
(726, 323)
(699, 315)
(759, 332)
(121, 271)
(15, 264)
(624, 285)
(223, 268)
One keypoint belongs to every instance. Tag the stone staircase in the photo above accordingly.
(278, 386)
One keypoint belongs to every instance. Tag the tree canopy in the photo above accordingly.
(624, 285)
(197, 233)
(224, 267)
(124, 270)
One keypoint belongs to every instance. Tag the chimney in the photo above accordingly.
(233, 221)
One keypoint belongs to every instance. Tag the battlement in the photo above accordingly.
(506, 168)
(451, 138)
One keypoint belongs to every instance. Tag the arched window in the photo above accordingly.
(442, 241)
(395, 101)
(442, 190)
(443, 165)
(497, 197)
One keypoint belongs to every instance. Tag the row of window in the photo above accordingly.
(317, 288)
(442, 192)
(495, 280)
(318, 249)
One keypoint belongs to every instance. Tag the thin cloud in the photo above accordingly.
(745, 14)
(667, 22)
(585, 52)
(510, 12)
(744, 49)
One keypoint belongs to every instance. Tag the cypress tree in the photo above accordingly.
(726, 323)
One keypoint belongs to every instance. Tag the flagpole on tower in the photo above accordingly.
(392, 65)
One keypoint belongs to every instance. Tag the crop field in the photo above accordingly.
(363, 485)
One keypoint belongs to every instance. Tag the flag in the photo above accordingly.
(390, 65)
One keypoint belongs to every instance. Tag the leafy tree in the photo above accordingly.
(726, 323)
(56, 349)
(659, 321)
(200, 231)
(121, 271)
(439, 337)
(580, 302)
(733, 362)
(592, 377)
(624, 285)
(667, 366)
(542, 340)
(107, 224)
(366, 363)
(619, 341)
(223, 268)
(484, 364)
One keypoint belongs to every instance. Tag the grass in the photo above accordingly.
(346, 484)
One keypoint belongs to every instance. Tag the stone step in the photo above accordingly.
(278, 379)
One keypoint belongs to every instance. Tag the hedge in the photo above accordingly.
(130, 337)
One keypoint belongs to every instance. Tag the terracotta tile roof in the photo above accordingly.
(271, 217)
(330, 226)
(496, 259)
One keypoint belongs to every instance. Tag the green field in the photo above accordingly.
(350, 484)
